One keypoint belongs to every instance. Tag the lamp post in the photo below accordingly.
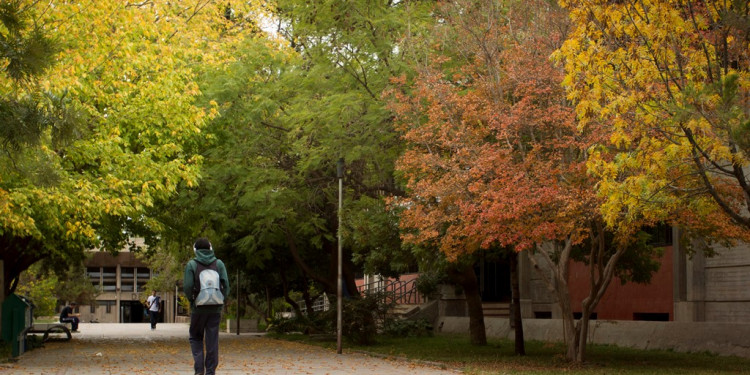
(238, 301)
(176, 302)
(339, 302)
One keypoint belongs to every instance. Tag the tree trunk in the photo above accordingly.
(269, 304)
(520, 347)
(583, 331)
(325, 282)
(2, 292)
(465, 276)
(570, 329)
(309, 300)
(601, 270)
(287, 298)
(350, 281)
(558, 265)
(257, 309)
(293, 303)
(570, 332)
(601, 265)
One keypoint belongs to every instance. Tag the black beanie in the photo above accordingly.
(202, 243)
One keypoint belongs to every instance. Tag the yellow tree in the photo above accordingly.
(672, 79)
(115, 118)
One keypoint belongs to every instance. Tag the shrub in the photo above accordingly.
(362, 317)
(313, 324)
(408, 328)
(361, 320)
(427, 283)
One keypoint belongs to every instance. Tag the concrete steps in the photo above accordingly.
(496, 309)
(404, 311)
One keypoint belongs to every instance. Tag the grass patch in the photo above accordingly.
(542, 358)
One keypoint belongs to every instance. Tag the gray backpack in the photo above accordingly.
(207, 286)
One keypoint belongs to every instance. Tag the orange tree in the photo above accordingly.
(495, 157)
(672, 80)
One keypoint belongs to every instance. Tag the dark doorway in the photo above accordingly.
(132, 312)
(494, 279)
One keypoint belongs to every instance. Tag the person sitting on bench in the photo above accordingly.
(67, 316)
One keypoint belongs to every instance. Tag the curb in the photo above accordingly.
(439, 365)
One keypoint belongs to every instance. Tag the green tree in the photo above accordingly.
(40, 289)
(268, 195)
(122, 91)
(26, 53)
(75, 285)
(45, 289)
(350, 50)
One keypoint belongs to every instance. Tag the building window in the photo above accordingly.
(661, 235)
(92, 309)
(142, 276)
(127, 272)
(95, 275)
(542, 314)
(127, 279)
(652, 317)
(109, 279)
(108, 305)
(578, 315)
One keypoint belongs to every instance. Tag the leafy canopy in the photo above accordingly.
(672, 79)
(114, 112)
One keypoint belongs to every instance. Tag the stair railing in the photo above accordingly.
(395, 291)
(320, 304)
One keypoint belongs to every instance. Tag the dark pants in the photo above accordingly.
(71, 319)
(153, 315)
(205, 328)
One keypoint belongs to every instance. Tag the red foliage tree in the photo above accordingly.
(495, 157)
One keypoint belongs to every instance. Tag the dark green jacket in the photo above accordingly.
(205, 256)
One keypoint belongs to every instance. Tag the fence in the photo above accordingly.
(394, 291)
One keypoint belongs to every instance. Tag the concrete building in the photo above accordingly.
(688, 287)
(712, 289)
(694, 303)
(121, 281)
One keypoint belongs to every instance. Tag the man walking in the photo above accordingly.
(154, 307)
(205, 283)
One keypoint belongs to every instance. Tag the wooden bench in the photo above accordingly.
(51, 329)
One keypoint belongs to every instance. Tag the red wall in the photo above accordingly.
(621, 301)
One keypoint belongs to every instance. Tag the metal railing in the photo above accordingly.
(395, 291)
(320, 304)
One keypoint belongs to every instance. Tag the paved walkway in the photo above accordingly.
(106, 349)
